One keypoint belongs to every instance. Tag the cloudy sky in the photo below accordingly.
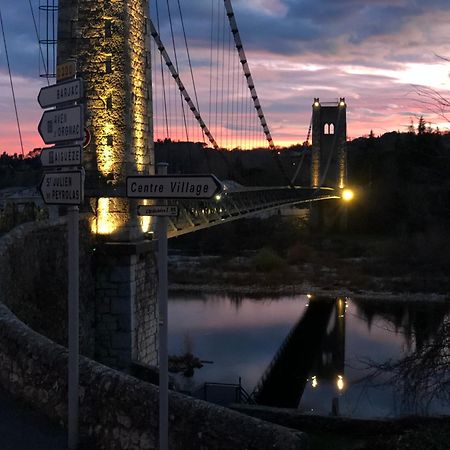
(372, 52)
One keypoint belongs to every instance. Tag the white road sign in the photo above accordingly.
(158, 210)
(65, 124)
(62, 188)
(72, 155)
(68, 91)
(173, 186)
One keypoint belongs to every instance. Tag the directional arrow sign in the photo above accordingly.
(173, 186)
(69, 91)
(65, 124)
(62, 188)
(71, 155)
(158, 210)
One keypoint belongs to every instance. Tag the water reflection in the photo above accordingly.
(306, 353)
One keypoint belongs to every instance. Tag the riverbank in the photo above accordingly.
(264, 273)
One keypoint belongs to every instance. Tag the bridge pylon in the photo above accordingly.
(329, 143)
(110, 43)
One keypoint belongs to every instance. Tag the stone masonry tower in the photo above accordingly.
(109, 40)
(329, 137)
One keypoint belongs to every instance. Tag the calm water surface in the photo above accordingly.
(327, 356)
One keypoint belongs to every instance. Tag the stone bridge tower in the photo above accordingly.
(109, 40)
(329, 140)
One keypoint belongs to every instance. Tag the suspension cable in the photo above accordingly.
(246, 68)
(11, 83)
(162, 78)
(189, 60)
(180, 84)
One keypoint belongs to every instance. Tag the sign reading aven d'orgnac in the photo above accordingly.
(173, 186)
(59, 125)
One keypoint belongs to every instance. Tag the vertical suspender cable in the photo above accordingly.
(162, 78)
(246, 68)
(211, 64)
(11, 82)
(176, 65)
(189, 60)
(217, 70)
(180, 84)
(40, 48)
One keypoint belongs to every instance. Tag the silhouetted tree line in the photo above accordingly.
(401, 179)
(401, 182)
(15, 170)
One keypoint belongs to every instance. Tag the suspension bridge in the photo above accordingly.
(210, 100)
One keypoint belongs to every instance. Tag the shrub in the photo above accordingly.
(268, 261)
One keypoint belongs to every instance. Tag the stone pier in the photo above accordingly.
(110, 42)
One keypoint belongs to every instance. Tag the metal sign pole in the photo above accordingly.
(161, 234)
(73, 299)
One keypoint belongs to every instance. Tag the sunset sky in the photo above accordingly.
(371, 52)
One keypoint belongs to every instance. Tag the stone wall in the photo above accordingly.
(33, 279)
(126, 304)
(121, 412)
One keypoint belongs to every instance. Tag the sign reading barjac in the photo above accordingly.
(69, 91)
(173, 186)
(62, 188)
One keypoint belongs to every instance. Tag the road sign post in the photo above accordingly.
(73, 324)
(161, 235)
(65, 124)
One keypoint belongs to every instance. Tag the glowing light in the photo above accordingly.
(314, 382)
(347, 195)
(218, 197)
(309, 295)
(104, 223)
(340, 383)
(341, 103)
(316, 104)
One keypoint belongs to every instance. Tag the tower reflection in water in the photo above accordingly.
(313, 352)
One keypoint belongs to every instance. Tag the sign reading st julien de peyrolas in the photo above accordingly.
(62, 188)
(173, 186)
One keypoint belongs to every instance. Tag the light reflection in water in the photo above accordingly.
(242, 335)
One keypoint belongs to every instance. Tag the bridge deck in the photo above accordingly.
(240, 202)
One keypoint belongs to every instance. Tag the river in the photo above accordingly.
(332, 349)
